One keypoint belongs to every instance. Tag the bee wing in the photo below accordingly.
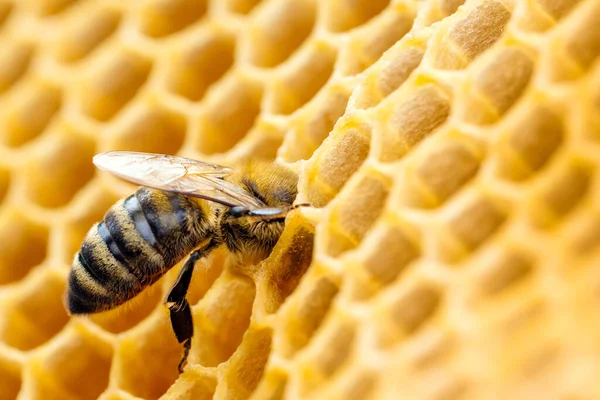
(177, 174)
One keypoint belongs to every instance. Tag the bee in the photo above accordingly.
(184, 207)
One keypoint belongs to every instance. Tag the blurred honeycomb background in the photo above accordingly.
(451, 147)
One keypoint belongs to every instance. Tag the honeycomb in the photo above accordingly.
(451, 149)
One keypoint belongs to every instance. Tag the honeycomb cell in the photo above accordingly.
(441, 170)
(528, 141)
(582, 42)
(356, 209)
(36, 313)
(228, 115)
(412, 120)
(313, 123)
(241, 6)
(32, 109)
(472, 224)
(10, 377)
(146, 358)
(505, 269)
(351, 138)
(305, 313)
(65, 364)
(277, 31)
(111, 85)
(586, 236)
(562, 192)
(343, 15)
(151, 129)
(380, 84)
(287, 263)
(472, 34)
(387, 250)
(222, 316)
(411, 307)
(329, 352)
(302, 78)
(364, 48)
(247, 365)
(192, 385)
(85, 33)
(15, 58)
(46, 8)
(503, 79)
(160, 18)
(200, 64)
(23, 243)
(69, 160)
(359, 385)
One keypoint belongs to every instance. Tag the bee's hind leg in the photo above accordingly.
(181, 314)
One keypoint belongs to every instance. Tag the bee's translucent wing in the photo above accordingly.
(176, 174)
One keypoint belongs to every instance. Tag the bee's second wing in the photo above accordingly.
(176, 174)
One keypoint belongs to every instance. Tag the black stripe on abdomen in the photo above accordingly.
(110, 243)
(90, 264)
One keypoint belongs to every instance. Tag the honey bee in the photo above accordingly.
(184, 207)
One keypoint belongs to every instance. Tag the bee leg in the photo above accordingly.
(179, 308)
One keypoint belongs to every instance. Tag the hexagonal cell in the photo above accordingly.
(471, 35)
(312, 124)
(341, 154)
(585, 237)
(58, 371)
(15, 58)
(241, 6)
(199, 64)
(112, 84)
(146, 358)
(46, 8)
(228, 114)
(23, 242)
(31, 109)
(358, 384)
(367, 45)
(327, 354)
(87, 29)
(505, 269)
(192, 385)
(409, 309)
(387, 250)
(261, 142)
(221, 319)
(277, 31)
(528, 140)
(411, 120)
(35, 313)
(439, 171)
(501, 82)
(10, 377)
(69, 157)
(384, 80)
(289, 260)
(150, 128)
(561, 192)
(471, 224)
(160, 18)
(302, 78)
(304, 313)
(356, 208)
(582, 41)
(343, 15)
(246, 365)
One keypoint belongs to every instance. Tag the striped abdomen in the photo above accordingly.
(139, 240)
